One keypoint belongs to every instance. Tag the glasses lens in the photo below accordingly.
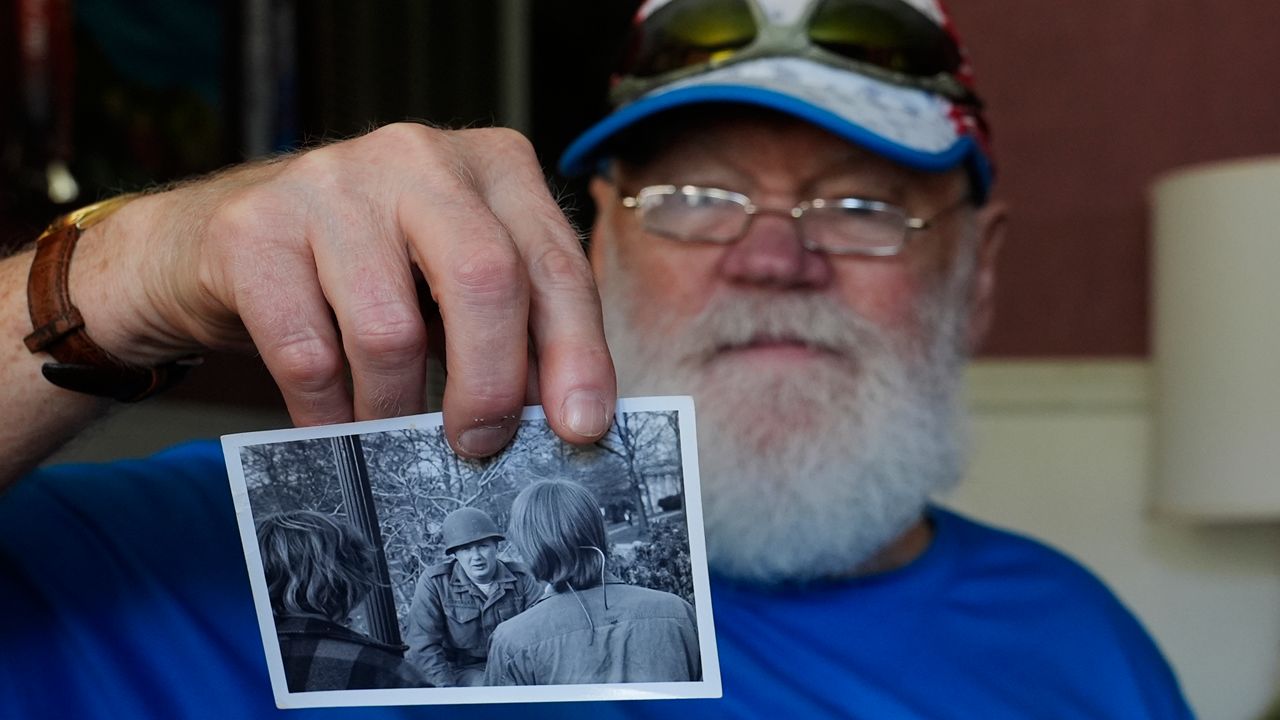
(687, 33)
(693, 214)
(854, 226)
(886, 33)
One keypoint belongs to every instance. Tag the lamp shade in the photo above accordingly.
(1217, 340)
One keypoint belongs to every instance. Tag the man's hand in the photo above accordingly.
(316, 260)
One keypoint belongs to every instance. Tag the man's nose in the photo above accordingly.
(772, 253)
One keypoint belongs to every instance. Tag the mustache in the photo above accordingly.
(736, 320)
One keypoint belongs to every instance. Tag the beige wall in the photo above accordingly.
(1062, 453)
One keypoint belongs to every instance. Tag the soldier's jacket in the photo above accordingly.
(450, 619)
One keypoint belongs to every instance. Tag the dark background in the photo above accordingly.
(1089, 101)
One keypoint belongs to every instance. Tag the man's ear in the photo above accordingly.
(605, 196)
(992, 222)
(601, 191)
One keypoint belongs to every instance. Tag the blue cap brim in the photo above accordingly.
(586, 152)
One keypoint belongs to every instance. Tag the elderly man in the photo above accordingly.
(794, 227)
(458, 603)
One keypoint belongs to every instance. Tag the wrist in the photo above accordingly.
(79, 303)
(115, 282)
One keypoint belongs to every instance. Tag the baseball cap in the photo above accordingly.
(888, 75)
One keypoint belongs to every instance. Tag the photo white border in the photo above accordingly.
(708, 687)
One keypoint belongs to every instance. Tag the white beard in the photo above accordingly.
(806, 474)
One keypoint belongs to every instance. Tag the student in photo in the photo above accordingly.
(589, 627)
(318, 571)
(458, 603)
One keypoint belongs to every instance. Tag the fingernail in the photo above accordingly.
(586, 413)
(484, 440)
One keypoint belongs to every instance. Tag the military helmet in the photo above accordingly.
(467, 525)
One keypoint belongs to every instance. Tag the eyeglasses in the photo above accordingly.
(837, 226)
(887, 39)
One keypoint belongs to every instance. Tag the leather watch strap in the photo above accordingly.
(82, 365)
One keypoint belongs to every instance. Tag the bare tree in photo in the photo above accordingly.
(290, 476)
(648, 446)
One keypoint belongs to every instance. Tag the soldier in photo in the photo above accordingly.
(458, 603)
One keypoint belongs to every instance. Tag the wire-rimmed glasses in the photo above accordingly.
(838, 226)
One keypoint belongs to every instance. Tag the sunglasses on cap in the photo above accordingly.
(886, 39)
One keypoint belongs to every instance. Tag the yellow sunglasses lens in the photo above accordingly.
(886, 33)
(688, 33)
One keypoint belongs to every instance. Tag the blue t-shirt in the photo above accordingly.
(124, 594)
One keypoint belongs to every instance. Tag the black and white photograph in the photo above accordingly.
(386, 569)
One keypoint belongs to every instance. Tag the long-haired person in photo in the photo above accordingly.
(589, 627)
(318, 572)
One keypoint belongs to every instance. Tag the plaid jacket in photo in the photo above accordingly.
(322, 655)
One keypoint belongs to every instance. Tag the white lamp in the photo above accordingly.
(1217, 340)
